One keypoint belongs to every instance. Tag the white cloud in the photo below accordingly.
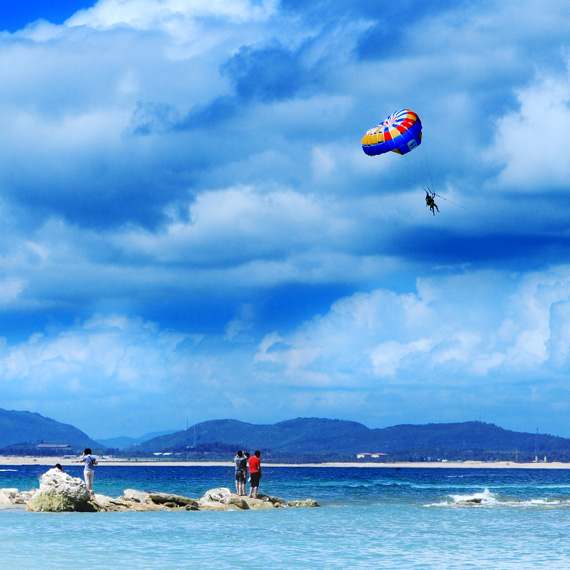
(236, 224)
(389, 356)
(153, 155)
(10, 290)
(144, 14)
(114, 352)
(377, 345)
(404, 336)
(531, 143)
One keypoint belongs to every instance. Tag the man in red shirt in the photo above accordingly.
(254, 473)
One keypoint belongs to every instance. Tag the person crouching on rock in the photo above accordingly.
(89, 470)
(255, 474)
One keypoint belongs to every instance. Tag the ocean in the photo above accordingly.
(370, 518)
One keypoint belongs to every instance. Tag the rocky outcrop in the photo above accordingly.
(222, 499)
(134, 495)
(59, 492)
(174, 501)
(8, 497)
(305, 503)
(11, 497)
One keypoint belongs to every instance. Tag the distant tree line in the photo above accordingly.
(32, 450)
(219, 451)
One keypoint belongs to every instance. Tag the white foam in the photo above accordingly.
(486, 498)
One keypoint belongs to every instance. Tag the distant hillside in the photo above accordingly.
(298, 440)
(124, 442)
(303, 435)
(324, 436)
(467, 435)
(28, 427)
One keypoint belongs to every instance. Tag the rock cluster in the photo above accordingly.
(59, 492)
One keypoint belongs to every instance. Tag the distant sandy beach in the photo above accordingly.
(6, 461)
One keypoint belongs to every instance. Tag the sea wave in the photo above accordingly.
(488, 499)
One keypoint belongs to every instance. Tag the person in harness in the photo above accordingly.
(430, 201)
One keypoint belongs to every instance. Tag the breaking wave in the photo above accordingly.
(488, 499)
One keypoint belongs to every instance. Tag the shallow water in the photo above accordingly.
(370, 518)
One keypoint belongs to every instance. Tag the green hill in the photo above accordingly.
(303, 435)
(475, 440)
(300, 440)
(29, 429)
(467, 435)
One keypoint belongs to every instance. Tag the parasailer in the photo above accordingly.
(430, 201)
(401, 133)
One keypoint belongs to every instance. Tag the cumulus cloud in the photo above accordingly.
(531, 142)
(513, 331)
(112, 349)
(420, 347)
(143, 14)
(99, 362)
(195, 169)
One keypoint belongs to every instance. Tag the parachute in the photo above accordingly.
(400, 133)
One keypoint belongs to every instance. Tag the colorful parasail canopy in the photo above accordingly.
(400, 132)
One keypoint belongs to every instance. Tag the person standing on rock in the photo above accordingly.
(246, 455)
(241, 471)
(89, 470)
(254, 473)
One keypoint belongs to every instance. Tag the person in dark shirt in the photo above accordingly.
(241, 473)
(430, 202)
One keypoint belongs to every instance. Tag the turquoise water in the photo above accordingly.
(370, 518)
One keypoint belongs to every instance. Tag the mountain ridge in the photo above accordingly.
(322, 436)
(33, 428)
(322, 439)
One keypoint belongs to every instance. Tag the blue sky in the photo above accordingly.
(191, 231)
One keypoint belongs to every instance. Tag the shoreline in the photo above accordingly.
(7, 461)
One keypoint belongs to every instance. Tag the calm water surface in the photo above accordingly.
(370, 518)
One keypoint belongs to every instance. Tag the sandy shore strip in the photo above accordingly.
(7, 461)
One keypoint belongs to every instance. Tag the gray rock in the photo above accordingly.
(275, 501)
(259, 504)
(137, 496)
(222, 499)
(7, 496)
(237, 503)
(219, 495)
(176, 501)
(305, 503)
(24, 497)
(12, 497)
(59, 492)
(107, 504)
